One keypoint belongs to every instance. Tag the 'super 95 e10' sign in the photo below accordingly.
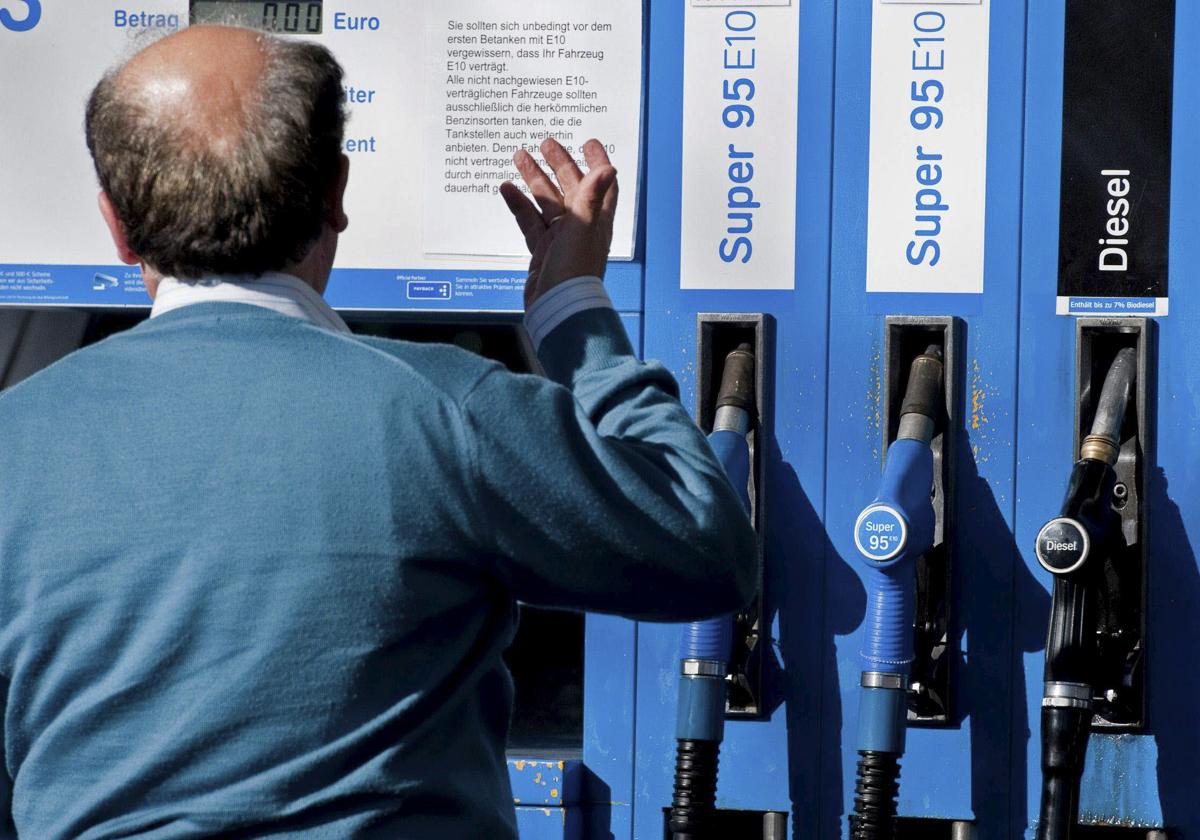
(928, 158)
(738, 222)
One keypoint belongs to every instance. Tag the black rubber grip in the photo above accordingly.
(875, 793)
(695, 797)
(1064, 748)
(737, 380)
(924, 392)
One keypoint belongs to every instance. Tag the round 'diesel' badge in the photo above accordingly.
(1062, 545)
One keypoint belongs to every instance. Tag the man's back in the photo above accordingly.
(187, 647)
(256, 577)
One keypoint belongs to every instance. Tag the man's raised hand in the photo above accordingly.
(569, 230)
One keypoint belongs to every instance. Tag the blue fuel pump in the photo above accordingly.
(707, 645)
(890, 534)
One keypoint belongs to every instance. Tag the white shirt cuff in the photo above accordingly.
(560, 303)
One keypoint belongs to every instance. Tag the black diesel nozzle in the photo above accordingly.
(1072, 547)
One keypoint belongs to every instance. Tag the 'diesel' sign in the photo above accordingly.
(1114, 220)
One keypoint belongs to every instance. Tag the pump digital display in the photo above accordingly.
(299, 18)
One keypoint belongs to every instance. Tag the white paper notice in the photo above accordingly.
(928, 166)
(503, 76)
(738, 225)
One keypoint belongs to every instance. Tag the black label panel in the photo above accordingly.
(1116, 155)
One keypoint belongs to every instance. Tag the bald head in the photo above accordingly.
(217, 148)
(206, 79)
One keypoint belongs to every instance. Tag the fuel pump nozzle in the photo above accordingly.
(707, 645)
(1072, 547)
(890, 534)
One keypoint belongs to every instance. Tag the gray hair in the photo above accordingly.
(189, 209)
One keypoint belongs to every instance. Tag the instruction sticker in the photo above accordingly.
(928, 159)
(502, 77)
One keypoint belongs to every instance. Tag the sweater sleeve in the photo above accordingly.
(8, 829)
(601, 492)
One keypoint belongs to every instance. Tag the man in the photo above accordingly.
(257, 574)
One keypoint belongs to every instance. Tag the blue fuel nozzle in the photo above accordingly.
(898, 525)
(707, 645)
(891, 533)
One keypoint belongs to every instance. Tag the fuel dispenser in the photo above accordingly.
(1094, 670)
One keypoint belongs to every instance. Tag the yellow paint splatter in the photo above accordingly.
(554, 793)
(537, 780)
(520, 765)
(978, 397)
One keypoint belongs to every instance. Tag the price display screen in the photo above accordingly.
(299, 18)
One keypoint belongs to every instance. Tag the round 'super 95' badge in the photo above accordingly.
(880, 533)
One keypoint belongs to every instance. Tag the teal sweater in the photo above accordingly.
(256, 577)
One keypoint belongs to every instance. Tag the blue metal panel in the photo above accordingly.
(1146, 779)
(553, 782)
(771, 764)
(535, 823)
(608, 721)
(961, 771)
(573, 823)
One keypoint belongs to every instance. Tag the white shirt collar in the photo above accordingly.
(274, 290)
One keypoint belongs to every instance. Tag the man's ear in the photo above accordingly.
(335, 200)
(117, 231)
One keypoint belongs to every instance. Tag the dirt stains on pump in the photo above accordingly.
(873, 409)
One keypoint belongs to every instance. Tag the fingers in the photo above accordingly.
(609, 206)
(594, 154)
(562, 163)
(595, 187)
(548, 196)
(595, 194)
(596, 157)
(529, 220)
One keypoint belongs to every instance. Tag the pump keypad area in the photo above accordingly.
(880, 533)
(1062, 546)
